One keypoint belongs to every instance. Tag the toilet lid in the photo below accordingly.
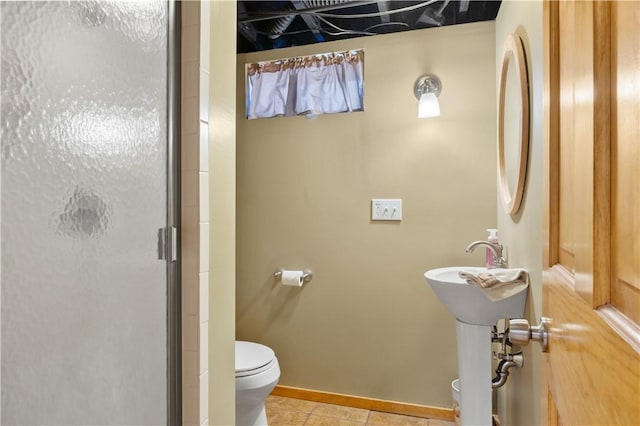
(252, 358)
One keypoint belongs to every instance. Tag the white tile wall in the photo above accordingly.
(190, 220)
(204, 345)
(204, 147)
(204, 198)
(205, 32)
(204, 247)
(195, 211)
(190, 373)
(190, 115)
(190, 15)
(188, 84)
(190, 296)
(204, 296)
(204, 100)
(191, 40)
(204, 397)
(190, 331)
(190, 152)
(190, 188)
(190, 406)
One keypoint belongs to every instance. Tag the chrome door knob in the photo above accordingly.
(521, 333)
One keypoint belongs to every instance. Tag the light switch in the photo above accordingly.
(386, 209)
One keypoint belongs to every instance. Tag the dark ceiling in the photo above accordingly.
(265, 25)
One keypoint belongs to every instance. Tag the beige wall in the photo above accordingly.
(519, 400)
(222, 166)
(368, 324)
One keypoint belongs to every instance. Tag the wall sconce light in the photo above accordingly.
(427, 89)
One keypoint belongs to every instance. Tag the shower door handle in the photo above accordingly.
(168, 244)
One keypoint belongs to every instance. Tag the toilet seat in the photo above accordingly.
(253, 358)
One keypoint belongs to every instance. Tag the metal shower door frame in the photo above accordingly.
(174, 302)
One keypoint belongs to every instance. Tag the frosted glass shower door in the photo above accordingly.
(83, 192)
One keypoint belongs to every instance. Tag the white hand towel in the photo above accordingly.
(498, 284)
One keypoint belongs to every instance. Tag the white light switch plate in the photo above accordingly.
(386, 209)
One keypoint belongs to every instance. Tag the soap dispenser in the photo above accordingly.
(493, 239)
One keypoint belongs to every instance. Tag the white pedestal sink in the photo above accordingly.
(475, 315)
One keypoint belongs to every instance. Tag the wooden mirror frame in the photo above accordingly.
(513, 47)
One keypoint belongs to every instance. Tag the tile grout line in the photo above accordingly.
(368, 417)
(313, 407)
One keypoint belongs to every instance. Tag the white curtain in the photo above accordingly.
(311, 85)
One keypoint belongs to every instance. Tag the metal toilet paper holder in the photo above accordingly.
(307, 275)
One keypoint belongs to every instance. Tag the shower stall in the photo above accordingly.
(89, 291)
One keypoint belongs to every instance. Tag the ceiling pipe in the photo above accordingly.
(383, 6)
(266, 16)
(434, 18)
(281, 24)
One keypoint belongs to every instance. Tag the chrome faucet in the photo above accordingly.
(496, 249)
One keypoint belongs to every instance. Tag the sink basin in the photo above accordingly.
(467, 302)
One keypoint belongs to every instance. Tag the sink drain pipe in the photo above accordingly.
(502, 372)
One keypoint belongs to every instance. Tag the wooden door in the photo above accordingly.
(591, 280)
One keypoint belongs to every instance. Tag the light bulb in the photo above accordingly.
(428, 106)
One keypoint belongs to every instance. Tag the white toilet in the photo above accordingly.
(257, 373)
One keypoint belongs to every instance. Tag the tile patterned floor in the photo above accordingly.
(296, 412)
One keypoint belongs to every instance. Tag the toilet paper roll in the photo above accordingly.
(292, 278)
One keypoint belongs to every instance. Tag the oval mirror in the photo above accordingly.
(513, 124)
